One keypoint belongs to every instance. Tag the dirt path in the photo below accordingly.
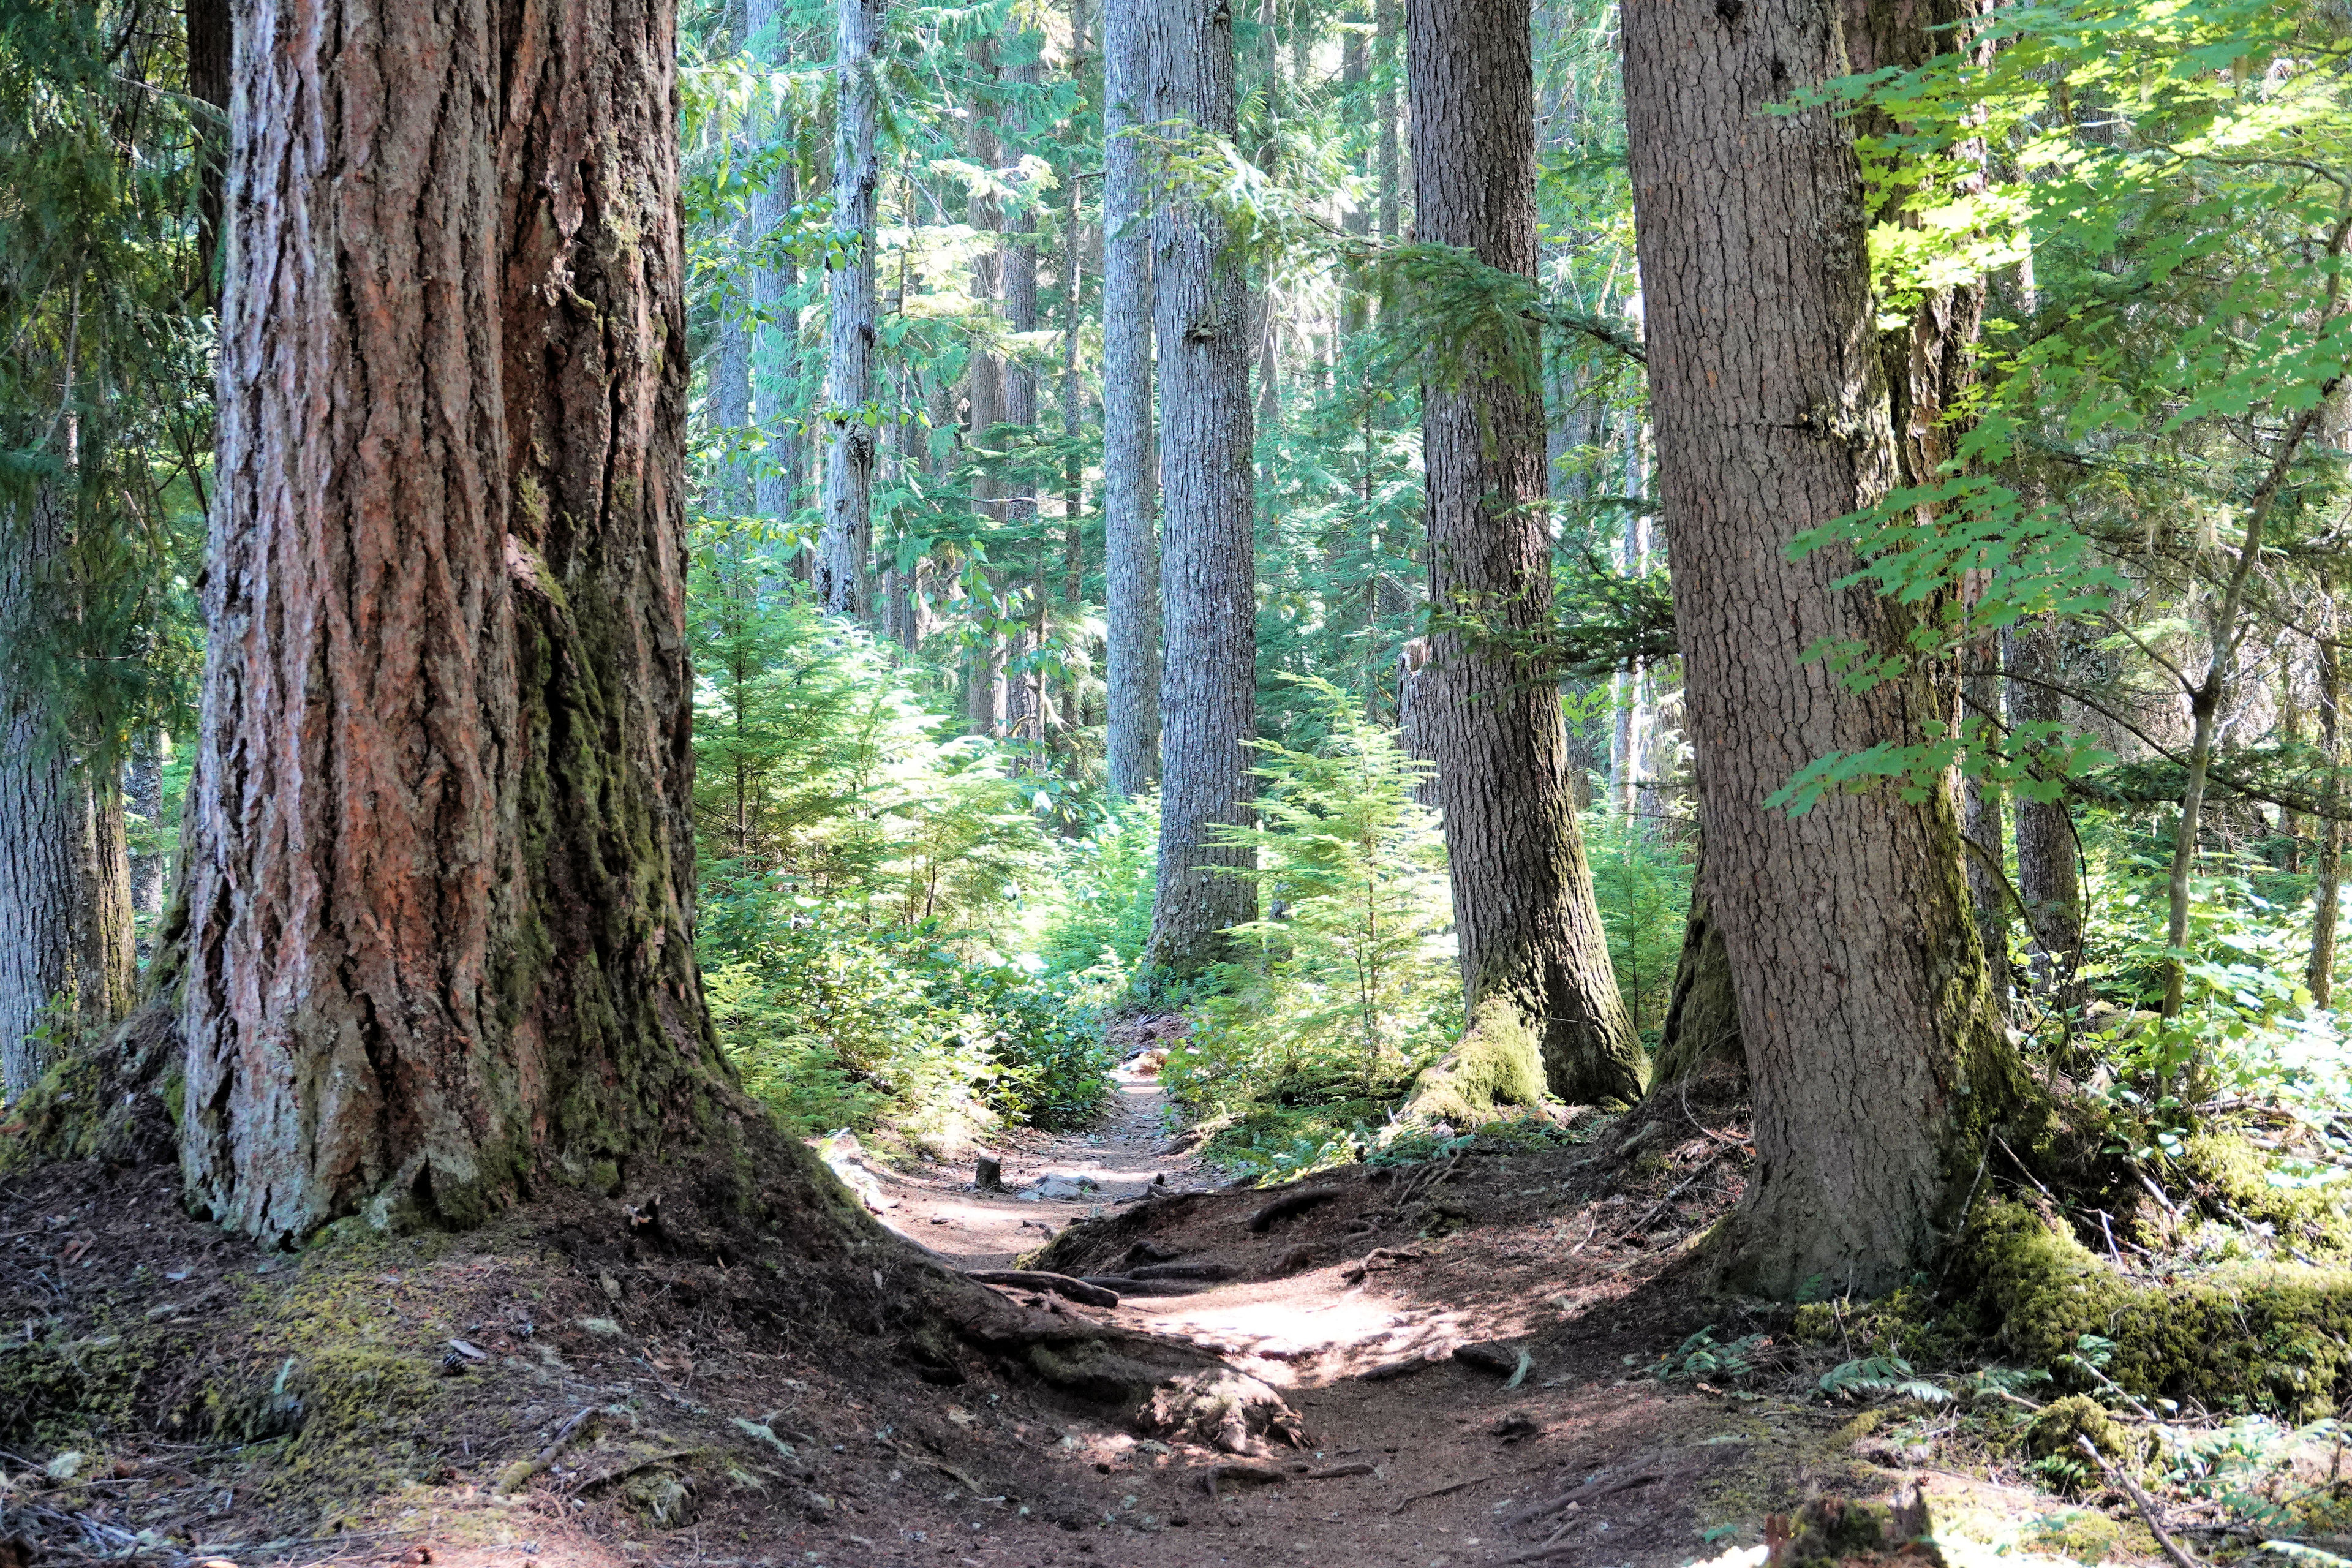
(1122, 1159)
(1552, 1263)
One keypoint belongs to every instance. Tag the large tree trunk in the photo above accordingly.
(846, 542)
(439, 930)
(1208, 688)
(1876, 1058)
(2326, 883)
(1535, 962)
(1130, 544)
(66, 957)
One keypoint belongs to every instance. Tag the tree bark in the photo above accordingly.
(2328, 862)
(1874, 1056)
(1208, 688)
(775, 303)
(144, 796)
(841, 578)
(440, 875)
(2047, 883)
(65, 958)
(1131, 542)
(1535, 962)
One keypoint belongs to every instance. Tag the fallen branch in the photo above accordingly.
(1185, 1270)
(621, 1473)
(1404, 1503)
(1590, 1492)
(1290, 1204)
(2130, 1488)
(1396, 1369)
(518, 1477)
(1077, 1291)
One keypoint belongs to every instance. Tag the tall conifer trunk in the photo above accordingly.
(1542, 998)
(1130, 543)
(439, 932)
(1875, 1057)
(841, 575)
(1208, 687)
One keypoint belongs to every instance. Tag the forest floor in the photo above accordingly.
(538, 1394)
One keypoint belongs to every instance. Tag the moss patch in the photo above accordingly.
(1498, 1063)
(2239, 1336)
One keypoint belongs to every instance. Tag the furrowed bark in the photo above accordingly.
(1534, 962)
(1874, 1056)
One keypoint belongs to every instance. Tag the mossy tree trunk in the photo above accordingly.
(438, 940)
(1875, 1058)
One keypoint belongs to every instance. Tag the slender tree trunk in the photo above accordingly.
(2047, 882)
(841, 564)
(776, 342)
(144, 796)
(775, 300)
(1981, 820)
(1875, 1055)
(1536, 978)
(1207, 694)
(2328, 861)
(1389, 159)
(65, 958)
(1024, 689)
(1130, 543)
(209, 39)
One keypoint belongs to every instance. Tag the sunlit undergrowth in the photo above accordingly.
(869, 876)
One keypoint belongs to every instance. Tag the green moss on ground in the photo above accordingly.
(2226, 1169)
(2240, 1337)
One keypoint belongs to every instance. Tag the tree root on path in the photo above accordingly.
(1163, 1387)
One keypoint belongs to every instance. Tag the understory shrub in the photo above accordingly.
(838, 1023)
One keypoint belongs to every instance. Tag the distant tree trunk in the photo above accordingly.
(440, 874)
(2327, 867)
(209, 37)
(1389, 160)
(727, 492)
(144, 796)
(842, 552)
(1207, 694)
(1538, 983)
(1024, 689)
(1355, 75)
(66, 956)
(1981, 823)
(1130, 543)
(776, 350)
(2046, 854)
(1874, 1056)
(775, 291)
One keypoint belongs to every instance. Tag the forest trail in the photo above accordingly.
(1358, 1309)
